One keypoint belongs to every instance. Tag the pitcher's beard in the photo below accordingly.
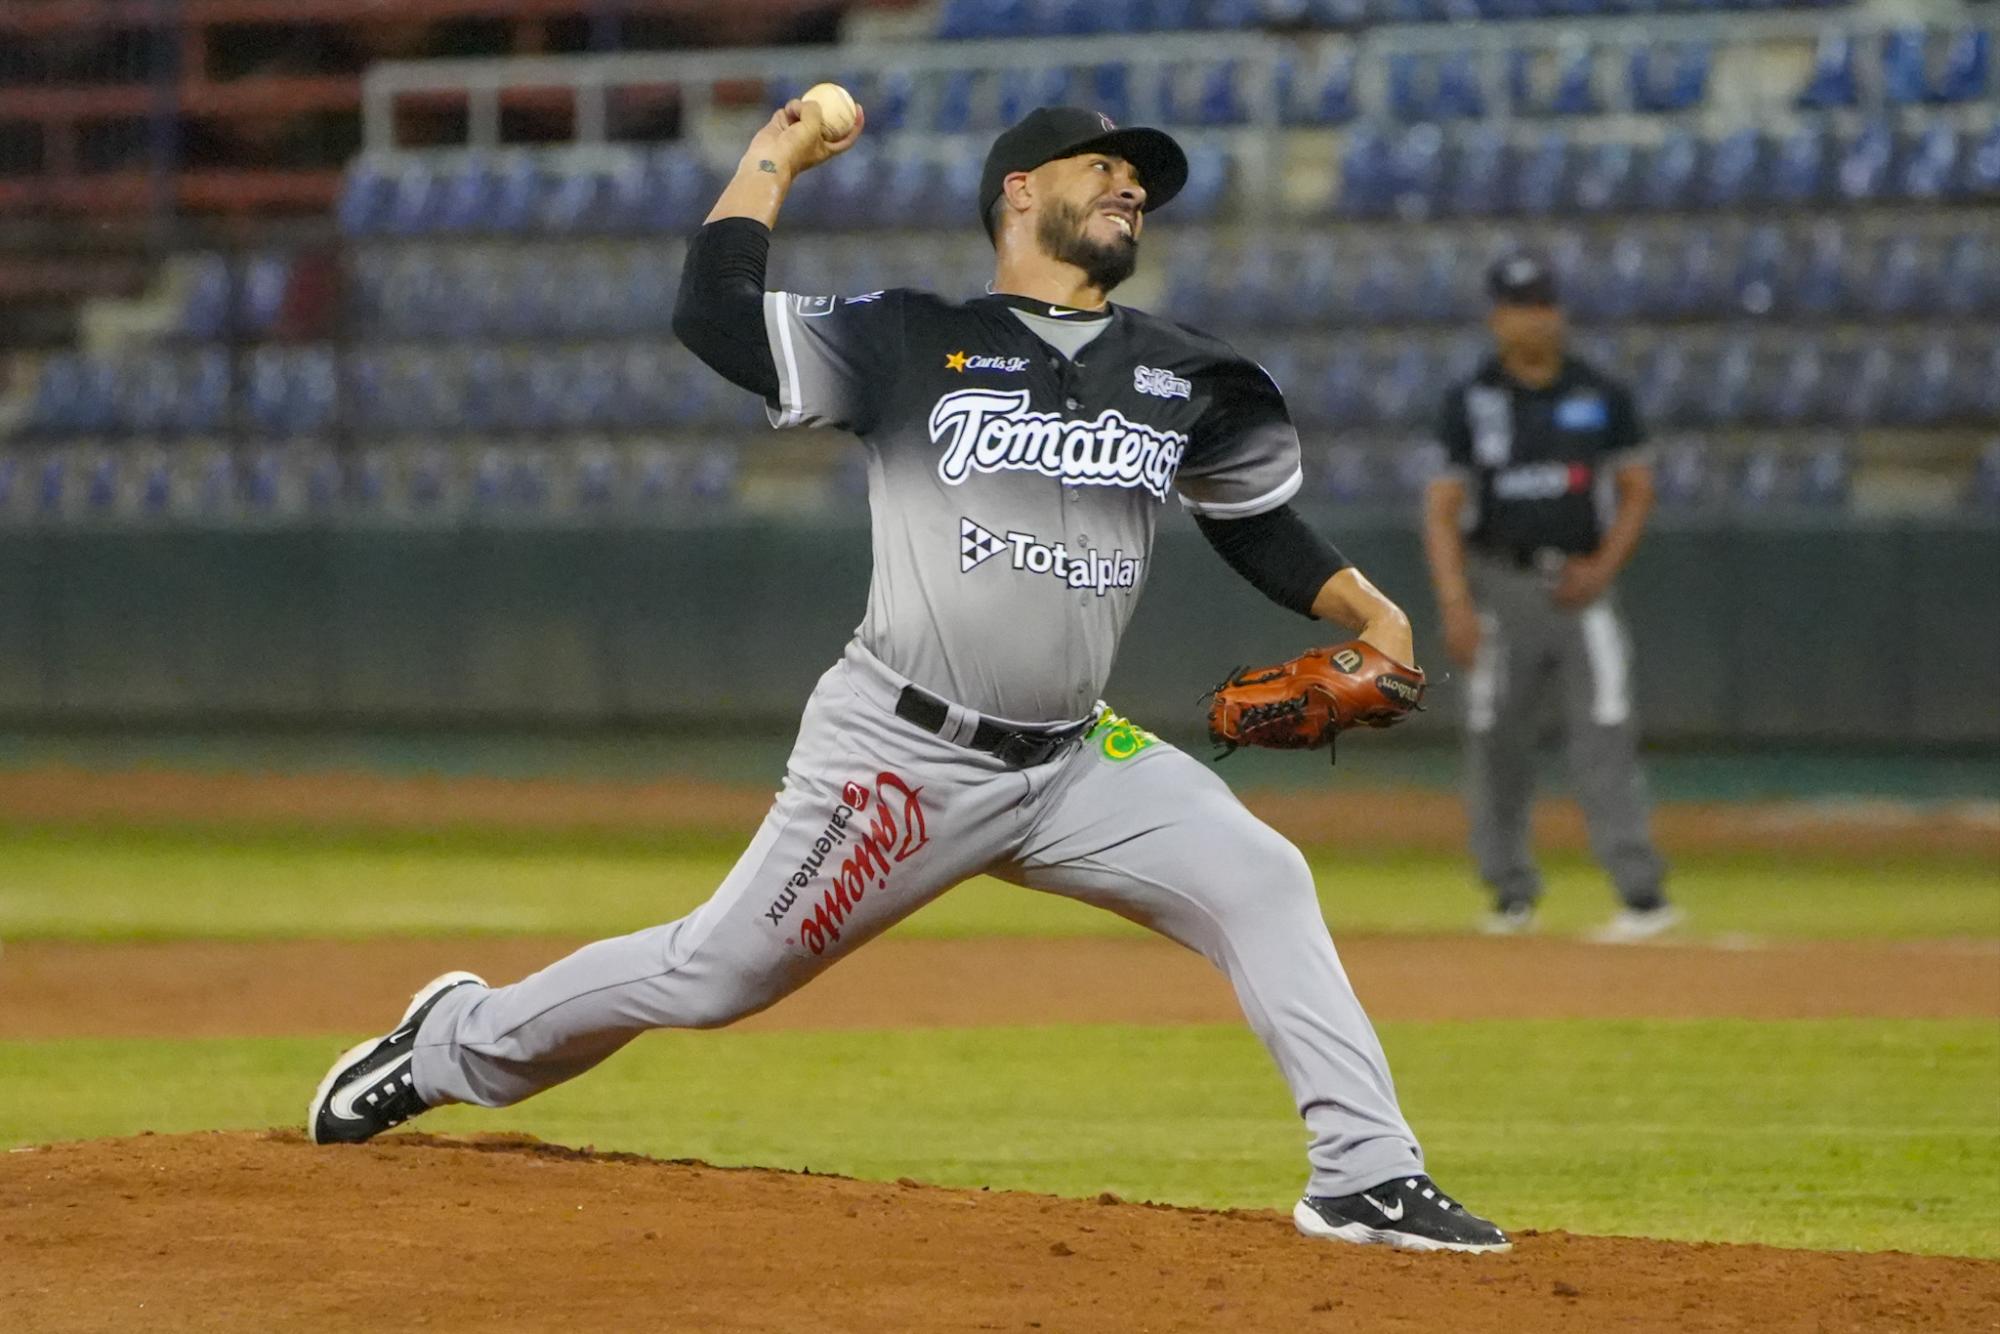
(1061, 231)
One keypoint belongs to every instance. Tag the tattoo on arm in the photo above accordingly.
(768, 165)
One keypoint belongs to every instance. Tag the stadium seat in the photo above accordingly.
(1820, 288)
(1863, 173)
(1680, 475)
(1667, 180)
(1734, 176)
(1417, 171)
(1697, 286)
(1980, 174)
(1967, 67)
(206, 301)
(1602, 181)
(1460, 93)
(1798, 393)
(1799, 171)
(366, 197)
(1899, 280)
(1969, 276)
(1542, 174)
(1929, 169)
(1833, 82)
(1982, 492)
(1575, 93)
(1668, 79)
(1481, 172)
(1825, 476)
(1762, 282)
(1411, 91)
(1621, 290)
(952, 113)
(1905, 80)
(1862, 396)
(1367, 174)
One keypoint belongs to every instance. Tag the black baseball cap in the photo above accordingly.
(1521, 280)
(1048, 133)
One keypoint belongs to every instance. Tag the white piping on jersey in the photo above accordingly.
(1604, 649)
(1482, 695)
(1243, 509)
(792, 410)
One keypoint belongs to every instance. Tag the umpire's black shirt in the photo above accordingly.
(1538, 463)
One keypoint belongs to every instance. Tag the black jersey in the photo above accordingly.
(1539, 462)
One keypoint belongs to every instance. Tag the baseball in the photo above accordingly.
(836, 109)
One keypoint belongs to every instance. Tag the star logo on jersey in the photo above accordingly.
(961, 362)
(976, 545)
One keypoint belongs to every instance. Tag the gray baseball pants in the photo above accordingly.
(878, 817)
(1531, 647)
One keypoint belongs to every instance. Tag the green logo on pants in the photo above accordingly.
(1120, 738)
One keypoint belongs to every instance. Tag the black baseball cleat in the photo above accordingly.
(1409, 1212)
(369, 1088)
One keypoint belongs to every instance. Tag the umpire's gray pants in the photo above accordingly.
(1530, 648)
(878, 817)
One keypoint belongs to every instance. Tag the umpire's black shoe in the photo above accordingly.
(1409, 1212)
(369, 1088)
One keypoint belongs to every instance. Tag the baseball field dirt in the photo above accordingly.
(256, 1232)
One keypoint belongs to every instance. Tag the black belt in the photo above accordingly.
(1521, 558)
(1016, 748)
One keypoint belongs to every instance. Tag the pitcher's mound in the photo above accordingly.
(258, 1232)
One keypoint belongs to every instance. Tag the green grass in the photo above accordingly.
(89, 884)
(1837, 1134)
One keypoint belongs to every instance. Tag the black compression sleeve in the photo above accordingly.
(719, 313)
(1278, 553)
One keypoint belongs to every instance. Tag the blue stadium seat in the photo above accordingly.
(1481, 172)
(1697, 287)
(1905, 80)
(1329, 100)
(1343, 388)
(1735, 170)
(1820, 289)
(1344, 475)
(1542, 175)
(953, 111)
(1621, 290)
(1800, 167)
(266, 281)
(1417, 171)
(1207, 189)
(1833, 82)
(1404, 392)
(1602, 181)
(1665, 386)
(1863, 174)
(205, 306)
(1825, 476)
(1220, 101)
(1668, 78)
(1929, 396)
(1439, 294)
(417, 200)
(1761, 479)
(1967, 67)
(1969, 276)
(1412, 88)
(1761, 285)
(1900, 281)
(1110, 90)
(1728, 384)
(148, 386)
(1980, 172)
(1382, 289)
(1575, 92)
(366, 198)
(1667, 180)
(1861, 397)
(1460, 94)
(1681, 477)
(1929, 170)
(1367, 174)
(74, 396)
(1798, 395)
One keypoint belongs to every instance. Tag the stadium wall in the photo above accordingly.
(1816, 631)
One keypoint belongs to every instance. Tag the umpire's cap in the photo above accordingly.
(1048, 133)
(1521, 280)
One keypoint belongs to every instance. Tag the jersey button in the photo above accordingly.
(1071, 404)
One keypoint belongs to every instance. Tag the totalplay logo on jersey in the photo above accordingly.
(990, 430)
(1091, 570)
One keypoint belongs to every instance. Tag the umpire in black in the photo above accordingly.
(1546, 492)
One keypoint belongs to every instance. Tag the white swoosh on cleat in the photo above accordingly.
(1391, 1214)
(343, 1100)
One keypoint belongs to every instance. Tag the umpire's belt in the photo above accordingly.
(1017, 748)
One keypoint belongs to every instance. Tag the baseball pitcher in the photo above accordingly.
(1020, 447)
